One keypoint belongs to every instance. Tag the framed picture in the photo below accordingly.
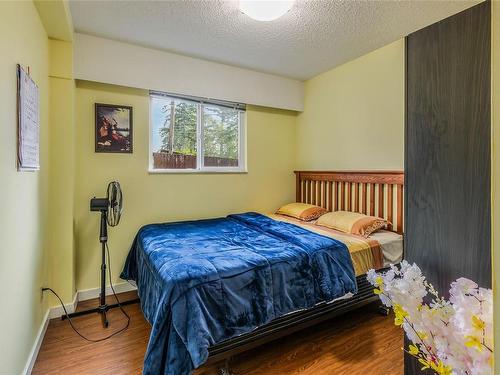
(113, 128)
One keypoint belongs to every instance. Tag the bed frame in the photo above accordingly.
(377, 193)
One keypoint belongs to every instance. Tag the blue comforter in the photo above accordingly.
(202, 282)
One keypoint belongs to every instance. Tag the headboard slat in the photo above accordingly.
(400, 209)
(390, 202)
(325, 194)
(336, 187)
(368, 192)
(356, 197)
(372, 199)
(349, 197)
(343, 196)
(364, 210)
(381, 200)
(330, 196)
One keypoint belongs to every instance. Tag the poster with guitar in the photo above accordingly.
(113, 128)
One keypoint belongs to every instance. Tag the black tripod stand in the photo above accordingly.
(103, 307)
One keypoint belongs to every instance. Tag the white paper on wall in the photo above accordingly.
(28, 122)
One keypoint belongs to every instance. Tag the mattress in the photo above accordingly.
(377, 251)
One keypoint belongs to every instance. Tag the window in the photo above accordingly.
(196, 135)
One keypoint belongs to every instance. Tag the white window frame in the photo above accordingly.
(200, 167)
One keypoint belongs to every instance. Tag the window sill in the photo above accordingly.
(196, 171)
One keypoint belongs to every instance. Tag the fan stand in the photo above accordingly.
(103, 307)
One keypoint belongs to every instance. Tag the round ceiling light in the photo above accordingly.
(265, 10)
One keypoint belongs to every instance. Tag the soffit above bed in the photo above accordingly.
(313, 37)
(108, 61)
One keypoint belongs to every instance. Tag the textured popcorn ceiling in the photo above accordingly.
(313, 37)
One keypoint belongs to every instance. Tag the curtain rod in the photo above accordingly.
(221, 103)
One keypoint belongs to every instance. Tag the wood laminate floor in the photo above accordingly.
(360, 342)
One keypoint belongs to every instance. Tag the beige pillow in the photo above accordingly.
(302, 211)
(352, 222)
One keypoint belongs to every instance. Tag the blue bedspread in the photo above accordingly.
(202, 282)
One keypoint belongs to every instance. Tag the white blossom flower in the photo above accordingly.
(452, 336)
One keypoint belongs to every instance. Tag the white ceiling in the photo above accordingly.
(313, 37)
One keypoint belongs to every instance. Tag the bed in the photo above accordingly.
(214, 288)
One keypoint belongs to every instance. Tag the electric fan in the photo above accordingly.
(111, 210)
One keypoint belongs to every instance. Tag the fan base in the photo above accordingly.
(102, 309)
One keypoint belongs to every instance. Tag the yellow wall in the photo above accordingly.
(495, 173)
(354, 114)
(56, 18)
(23, 195)
(152, 198)
(62, 173)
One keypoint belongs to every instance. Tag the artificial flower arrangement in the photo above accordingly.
(452, 336)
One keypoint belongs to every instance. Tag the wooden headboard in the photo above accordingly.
(376, 193)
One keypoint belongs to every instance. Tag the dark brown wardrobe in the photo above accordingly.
(447, 150)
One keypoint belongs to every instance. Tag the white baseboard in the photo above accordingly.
(58, 311)
(86, 294)
(37, 344)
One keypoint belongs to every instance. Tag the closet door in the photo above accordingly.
(447, 164)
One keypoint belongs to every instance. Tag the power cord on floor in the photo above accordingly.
(117, 301)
